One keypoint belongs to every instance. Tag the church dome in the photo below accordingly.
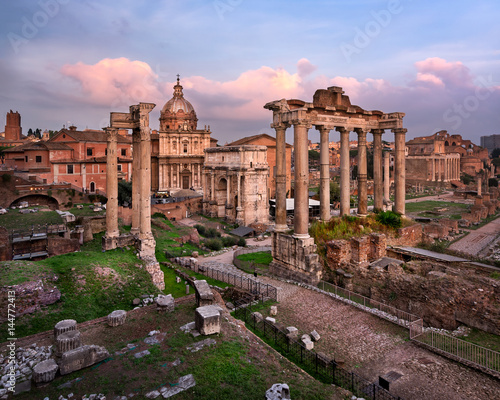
(178, 113)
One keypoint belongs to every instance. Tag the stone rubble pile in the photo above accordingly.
(279, 391)
(26, 359)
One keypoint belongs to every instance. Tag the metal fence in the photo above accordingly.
(449, 346)
(389, 313)
(315, 363)
(458, 349)
(248, 284)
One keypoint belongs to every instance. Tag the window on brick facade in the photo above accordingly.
(70, 169)
(90, 151)
(119, 167)
(38, 159)
(124, 152)
(25, 158)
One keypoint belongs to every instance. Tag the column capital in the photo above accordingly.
(377, 131)
(322, 128)
(280, 125)
(399, 131)
(305, 123)
(343, 129)
(111, 134)
(360, 131)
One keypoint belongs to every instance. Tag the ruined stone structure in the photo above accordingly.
(270, 143)
(441, 158)
(236, 184)
(137, 120)
(13, 130)
(177, 149)
(330, 110)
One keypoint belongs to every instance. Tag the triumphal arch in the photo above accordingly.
(295, 255)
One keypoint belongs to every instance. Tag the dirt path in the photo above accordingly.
(477, 240)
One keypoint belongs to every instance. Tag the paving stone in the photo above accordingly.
(142, 354)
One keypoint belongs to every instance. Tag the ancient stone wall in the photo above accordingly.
(5, 246)
(177, 210)
(407, 236)
(58, 245)
(443, 296)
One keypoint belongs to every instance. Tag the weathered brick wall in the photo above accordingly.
(378, 246)
(338, 252)
(359, 250)
(58, 245)
(450, 223)
(436, 230)
(407, 236)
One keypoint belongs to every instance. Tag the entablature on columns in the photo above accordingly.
(331, 109)
(136, 118)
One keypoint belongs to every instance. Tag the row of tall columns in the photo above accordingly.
(445, 169)
(301, 198)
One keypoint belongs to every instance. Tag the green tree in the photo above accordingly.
(495, 153)
(313, 155)
(334, 192)
(30, 132)
(124, 192)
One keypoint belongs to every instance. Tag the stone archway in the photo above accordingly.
(221, 197)
(37, 200)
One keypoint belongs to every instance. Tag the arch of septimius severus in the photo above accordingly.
(295, 255)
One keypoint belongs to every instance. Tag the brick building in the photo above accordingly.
(76, 157)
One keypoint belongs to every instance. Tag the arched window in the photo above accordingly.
(92, 187)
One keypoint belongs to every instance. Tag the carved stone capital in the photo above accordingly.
(111, 134)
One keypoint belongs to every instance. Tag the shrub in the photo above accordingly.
(242, 242)
(389, 218)
(214, 244)
(201, 229)
(229, 241)
(6, 177)
(212, 233)
(158, 215)
(492, 182)
(49, 193)
(69, 204)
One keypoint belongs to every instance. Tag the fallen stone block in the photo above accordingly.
(45, 372)
(315, 336)
(292, 330)
(165, 303)
(141, 354)
(184, 383)
(207, 320)
(274, 310)
(64, 326)
(81, 357)
(67, 341)
(279, 391)
(199, 345)
(272, 320)
(257, 316)
(308, 343)
(117, 318)
(204, 295)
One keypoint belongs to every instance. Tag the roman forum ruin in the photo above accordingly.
(137, 119)
(295, 255)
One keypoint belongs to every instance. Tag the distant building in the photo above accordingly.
(441, 158)
(236, 184)
(177, 152)
(491, 142)
(72, 156)
(270, 143)
(13, 135)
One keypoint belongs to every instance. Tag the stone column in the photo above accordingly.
(160, 175)
(433, 169)
(377, 169)
(136, 182)
(239, 217)
(228, 189)
(399, 170)
(212, 186)
(362, 174)
(301, 198)
(387, 177)
(145, 220)
(199, 175)
(324, 182)
(280, 210)
(479, 187)
(345, 186)
(111, 184)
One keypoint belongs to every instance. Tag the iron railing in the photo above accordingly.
(315, 363)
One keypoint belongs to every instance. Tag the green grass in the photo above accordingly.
(15, 220)
(259, 257)
(429, 205)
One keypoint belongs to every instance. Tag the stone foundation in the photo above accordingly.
(153, 268)
(295, 258)
(82, 357)
(207, 320)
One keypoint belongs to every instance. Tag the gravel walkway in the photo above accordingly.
(373, 347)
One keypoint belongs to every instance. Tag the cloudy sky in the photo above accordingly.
(76, 60)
